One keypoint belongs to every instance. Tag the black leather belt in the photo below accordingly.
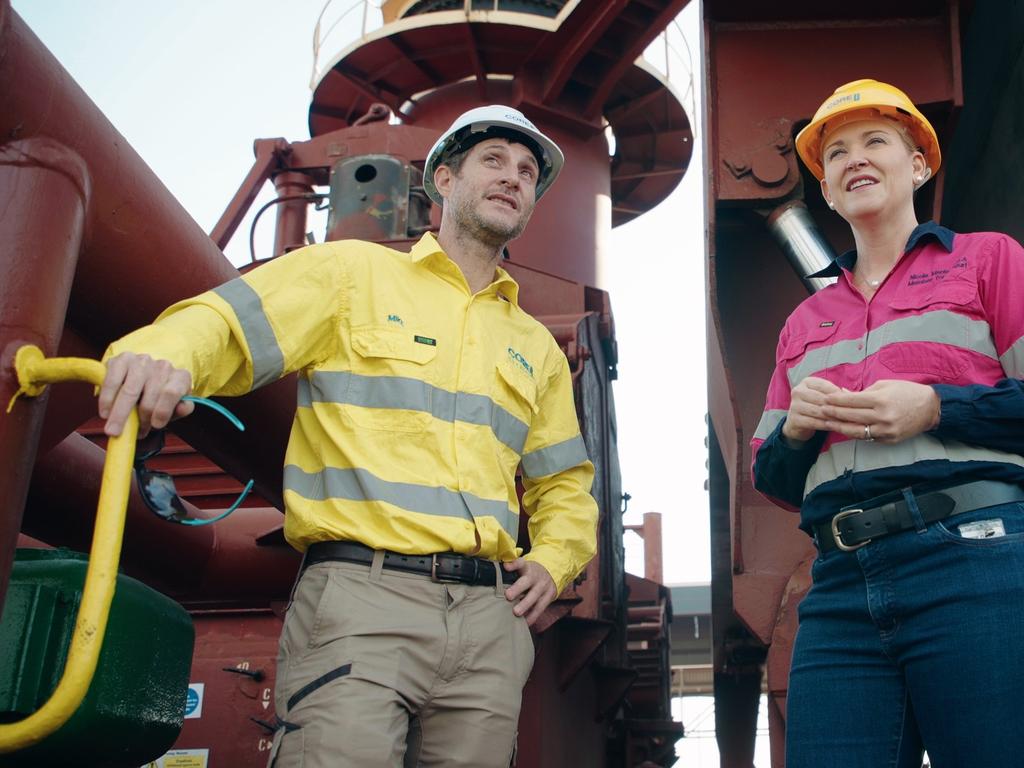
(445, 567)
(857, 524)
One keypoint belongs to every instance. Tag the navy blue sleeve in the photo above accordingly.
(780, 469)
(990, 417)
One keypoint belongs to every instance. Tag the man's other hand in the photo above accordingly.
(155, 386)
(533, 591)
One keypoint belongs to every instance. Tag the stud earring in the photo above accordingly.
(831, 204)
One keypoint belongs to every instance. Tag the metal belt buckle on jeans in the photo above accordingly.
(838, 537)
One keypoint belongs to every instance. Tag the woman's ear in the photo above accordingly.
(824, 193)
(920, 168)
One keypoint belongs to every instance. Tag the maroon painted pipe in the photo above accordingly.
(44, 193)
(219, 564)
(142, 250)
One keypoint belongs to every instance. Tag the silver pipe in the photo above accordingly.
(796, 232)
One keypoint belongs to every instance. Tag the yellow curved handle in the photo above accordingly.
(34, 373)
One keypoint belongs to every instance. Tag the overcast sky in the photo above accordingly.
(191, 85)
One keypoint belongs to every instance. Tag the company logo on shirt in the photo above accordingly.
(396, 320)
(521, 360)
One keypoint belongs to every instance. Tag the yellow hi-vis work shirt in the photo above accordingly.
(417, 400)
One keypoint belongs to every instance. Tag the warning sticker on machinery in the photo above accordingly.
(182, 758)
(194, 701)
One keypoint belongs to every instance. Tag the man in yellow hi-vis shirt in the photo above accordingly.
(422, 386)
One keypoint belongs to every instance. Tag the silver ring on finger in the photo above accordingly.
(867, 434)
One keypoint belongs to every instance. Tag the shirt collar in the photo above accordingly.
(426, 247)
(431, 254)
(928, 229)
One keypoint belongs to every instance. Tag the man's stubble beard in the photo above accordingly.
(491, 233)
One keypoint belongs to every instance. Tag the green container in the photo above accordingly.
(135, 706)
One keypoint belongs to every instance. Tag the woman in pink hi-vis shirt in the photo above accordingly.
(894, 423)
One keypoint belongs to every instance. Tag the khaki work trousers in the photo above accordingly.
(384, 669)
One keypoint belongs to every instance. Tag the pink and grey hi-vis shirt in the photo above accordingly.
(950, 315)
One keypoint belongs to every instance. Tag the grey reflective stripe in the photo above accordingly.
(346, 388)
(940, 326)
(267, 358)
(555, 458)
(862, 456)
(304, 396)
(769, 421)
(1012, 360)
(362, 485)
(480, 409)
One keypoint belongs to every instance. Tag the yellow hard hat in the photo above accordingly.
(859, 100)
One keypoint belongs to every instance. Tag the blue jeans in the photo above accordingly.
(914, 642)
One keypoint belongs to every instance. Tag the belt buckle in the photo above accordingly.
(437, 579)
(838, 537)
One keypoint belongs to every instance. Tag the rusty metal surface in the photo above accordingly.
(293, 190)
(269, 155)
(568, 76)
(44, 194)
(221, 565)
(650, 531)
(235, 662)
(132, 217)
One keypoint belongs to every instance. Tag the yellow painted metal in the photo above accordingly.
(35, 371)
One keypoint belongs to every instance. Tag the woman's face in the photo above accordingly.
(869, 169)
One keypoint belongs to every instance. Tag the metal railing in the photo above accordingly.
(370, 19)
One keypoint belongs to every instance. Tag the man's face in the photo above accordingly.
(493, 194)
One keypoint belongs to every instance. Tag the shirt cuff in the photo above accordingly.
(780, 442)
(956, 408)
(550, 562)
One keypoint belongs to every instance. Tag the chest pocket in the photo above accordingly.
(388, 389)
(515, 391)
(807, 354)
(939, 314)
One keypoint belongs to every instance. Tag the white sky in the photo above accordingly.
(191, 85)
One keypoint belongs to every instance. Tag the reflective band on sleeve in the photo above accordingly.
(769, 421)
(346, 388)
(362, 485)
(1012, 360)
(863, 456)
(267, 358)
(555, 458)
(940, 327)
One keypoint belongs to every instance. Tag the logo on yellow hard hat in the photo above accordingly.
(842, 100)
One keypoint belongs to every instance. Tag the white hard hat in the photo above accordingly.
(479, 123)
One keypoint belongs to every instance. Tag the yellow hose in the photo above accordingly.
(34, 373)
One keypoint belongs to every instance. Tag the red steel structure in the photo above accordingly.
(598, 695)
